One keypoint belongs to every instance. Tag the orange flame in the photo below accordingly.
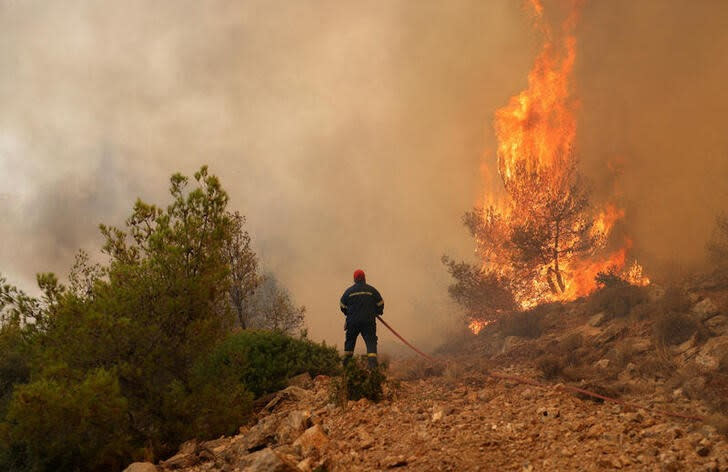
(476, 326)
(607, 217)
(536, 133)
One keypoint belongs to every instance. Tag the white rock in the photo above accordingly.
(597, 319)
(141, 467)
(706, 309)
(712, 352)
(314, 438)
(265, 460)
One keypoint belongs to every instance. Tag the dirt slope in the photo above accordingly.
(458, 423)
(460, 417)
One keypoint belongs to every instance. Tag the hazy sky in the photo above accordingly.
(351, 134)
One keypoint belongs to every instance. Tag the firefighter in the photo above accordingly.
(361, 303)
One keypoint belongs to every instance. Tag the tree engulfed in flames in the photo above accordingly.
(541, 231)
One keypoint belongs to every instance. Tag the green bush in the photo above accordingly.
(359, 381)
(142, 350)
(69, 421)
(208, 409)
(14, 368)
(265, 360)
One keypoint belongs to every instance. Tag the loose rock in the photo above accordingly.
(141, 467)
(265, 460)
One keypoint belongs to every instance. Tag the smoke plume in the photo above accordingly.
(350, 134)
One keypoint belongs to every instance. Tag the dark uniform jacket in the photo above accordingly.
(361, 303)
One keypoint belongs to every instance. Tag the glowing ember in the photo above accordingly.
(542, 219)
(635, 276)
(477, 325)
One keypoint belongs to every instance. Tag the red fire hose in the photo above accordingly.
(429, 358)
(546, 386)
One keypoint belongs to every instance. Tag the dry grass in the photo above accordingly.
(600, 389)
(622, 354)
(676, 300)
(566, 354)
(711, 388)
(719, 422)
(453, 373)
(658, 364)
(569, 349)
(616, 301)
(715, 393)
(581, 373)
(415, 369)
(551, 366)
(723, 364)
(524, 324)
(460, 341)
(674, 328)
(643, 311)
(571, 342)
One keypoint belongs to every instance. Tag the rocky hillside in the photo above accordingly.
(471, 423)
(458, 416)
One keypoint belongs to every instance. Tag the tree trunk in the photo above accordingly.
(238, 304)
(560, 281)
(551, 283)
(557, 270)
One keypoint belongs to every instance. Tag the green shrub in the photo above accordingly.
(210, 408)
(143, 345)
(69, 421)
(359, 381)
(265, 360)
(14, 367)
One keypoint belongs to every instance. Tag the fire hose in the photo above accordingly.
(429, 358)
(559, 387)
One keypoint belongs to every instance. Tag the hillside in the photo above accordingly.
(467, 414)
(473, 423)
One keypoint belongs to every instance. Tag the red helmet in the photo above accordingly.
(359, 276)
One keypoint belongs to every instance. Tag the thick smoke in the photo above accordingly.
(351, 134)
(651, 82)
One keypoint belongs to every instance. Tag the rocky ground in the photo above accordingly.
(467, 423)
(456, 416)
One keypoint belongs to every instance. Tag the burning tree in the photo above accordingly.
(483, 294)
(553, 225)
(548, 223)
(538, 234)
(558, 229)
